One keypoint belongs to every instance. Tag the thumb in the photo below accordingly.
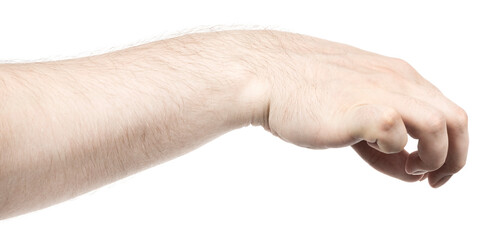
(381, 126)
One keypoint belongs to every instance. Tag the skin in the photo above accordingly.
(68, 127)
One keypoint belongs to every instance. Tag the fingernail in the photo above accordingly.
(441, 181)
(424, 177)
(419, 172)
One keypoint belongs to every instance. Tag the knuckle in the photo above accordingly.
(403, 142)
(435, 123)
(456, 166)
(393, 148)
(388, 120)
(403, 65)
(460, 119)
(393, 144)
(434, 165)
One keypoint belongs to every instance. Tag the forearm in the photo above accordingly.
(70, 126)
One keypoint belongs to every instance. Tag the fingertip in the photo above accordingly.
(424, 177)
(409, 178)
(440, 182)
(410, 163)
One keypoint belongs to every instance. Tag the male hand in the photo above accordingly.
(74, 125)
(323, 94)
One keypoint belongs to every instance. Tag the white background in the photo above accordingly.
(248, 184)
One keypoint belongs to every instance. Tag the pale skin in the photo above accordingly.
(68, 127)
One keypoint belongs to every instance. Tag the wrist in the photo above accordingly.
(232, 82)
(251, 91)
(252, 98)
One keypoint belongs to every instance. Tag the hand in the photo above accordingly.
(323, 94)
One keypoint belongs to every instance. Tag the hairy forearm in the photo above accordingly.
(67, 127)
